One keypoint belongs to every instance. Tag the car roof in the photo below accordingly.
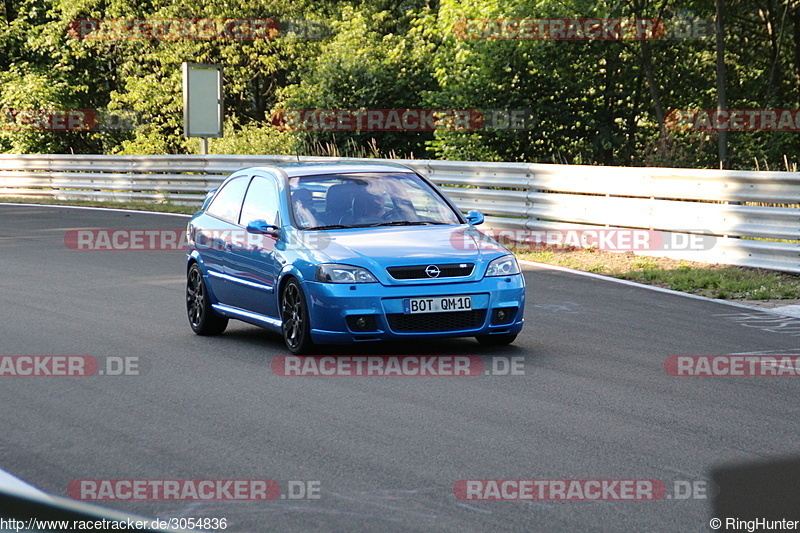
(313, 169)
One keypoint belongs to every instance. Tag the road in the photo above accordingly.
(594, 403)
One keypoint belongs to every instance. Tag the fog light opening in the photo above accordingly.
(359, 323)
(503, 315)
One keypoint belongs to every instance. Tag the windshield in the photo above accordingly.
(366, 199)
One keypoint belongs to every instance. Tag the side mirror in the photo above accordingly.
(475, 217)
(260, 227)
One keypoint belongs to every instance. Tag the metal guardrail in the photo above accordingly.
(514, 196)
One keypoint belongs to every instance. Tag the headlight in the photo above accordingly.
(343, 274)
(503, 266)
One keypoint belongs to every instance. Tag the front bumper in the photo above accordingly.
(498, 305)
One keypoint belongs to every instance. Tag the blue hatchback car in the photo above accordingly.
(328, 253)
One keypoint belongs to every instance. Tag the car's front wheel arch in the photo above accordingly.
(295, 315)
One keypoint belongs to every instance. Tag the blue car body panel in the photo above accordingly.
(244, 272)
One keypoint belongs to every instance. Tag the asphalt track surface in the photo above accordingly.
(594, 402)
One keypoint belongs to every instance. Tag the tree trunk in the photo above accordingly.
(721, 93)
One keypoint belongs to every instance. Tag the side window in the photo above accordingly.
(261, 202)
(228, 202)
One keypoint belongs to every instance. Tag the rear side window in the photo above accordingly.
(261, 202)
(228, 202)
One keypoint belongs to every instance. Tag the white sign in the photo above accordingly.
(202, 100)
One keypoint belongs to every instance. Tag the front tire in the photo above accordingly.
(202, 317)
(502, 339)
(295, 320)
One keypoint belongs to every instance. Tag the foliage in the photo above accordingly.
(585, 101)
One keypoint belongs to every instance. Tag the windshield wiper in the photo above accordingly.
(407, 223)
(331, 226)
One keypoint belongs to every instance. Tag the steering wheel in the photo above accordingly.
(392, 214)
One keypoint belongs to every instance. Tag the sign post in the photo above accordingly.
(202, 102)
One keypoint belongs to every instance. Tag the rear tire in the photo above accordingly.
(202, 317)
(502, 339)
(295, 320)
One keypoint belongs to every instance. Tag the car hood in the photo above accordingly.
(379, 248)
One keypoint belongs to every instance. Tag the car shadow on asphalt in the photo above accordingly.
(251, 336)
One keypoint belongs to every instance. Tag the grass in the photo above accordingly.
(713, 281)
(160, 207)
(725, 282)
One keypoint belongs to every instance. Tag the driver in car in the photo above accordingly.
(303, 203)
(367, 208)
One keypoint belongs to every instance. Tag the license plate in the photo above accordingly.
(437, 304)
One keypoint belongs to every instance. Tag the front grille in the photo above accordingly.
(437, 322)
(449, 270)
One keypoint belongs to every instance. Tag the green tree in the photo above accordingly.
(368, 66)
